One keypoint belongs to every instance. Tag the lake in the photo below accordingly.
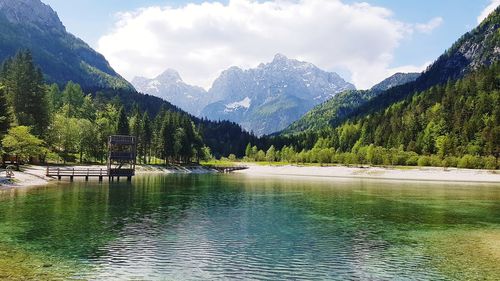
(213, 227)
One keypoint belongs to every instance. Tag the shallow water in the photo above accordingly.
(206, 227)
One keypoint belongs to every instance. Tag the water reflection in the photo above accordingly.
(229, 226)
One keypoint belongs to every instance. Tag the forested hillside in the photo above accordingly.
(46, 122)
(341, 105)
(473, 50)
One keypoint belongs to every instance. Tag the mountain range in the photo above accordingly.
(283, 95)
(169, 86)
(33, 25)
(264, 100)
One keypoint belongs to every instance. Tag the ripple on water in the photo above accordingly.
(233, 230)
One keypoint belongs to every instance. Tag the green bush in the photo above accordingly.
(412, 160)
(350, 159)
(436, 161)
(470, 162)
(490, 162)
(339, 158)
(450, 161)
(424, 161)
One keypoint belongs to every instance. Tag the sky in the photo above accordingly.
(364, 41)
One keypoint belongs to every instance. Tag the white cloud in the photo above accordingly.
(201, 40)
(429, 26)
(407, 68)
(487, 11)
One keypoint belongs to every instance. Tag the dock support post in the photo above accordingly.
(70, 178)
(129, 178)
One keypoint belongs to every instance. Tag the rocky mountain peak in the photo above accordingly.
(395, 80)
(169, 76)
(268, 98)
(279, 58)
(32, 12)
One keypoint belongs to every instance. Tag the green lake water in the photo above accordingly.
(213, 227)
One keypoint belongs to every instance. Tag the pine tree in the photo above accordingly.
(248, 151)
(73, 99)
(146, 137)
(122, 126)
(166, 134)
(26, 92)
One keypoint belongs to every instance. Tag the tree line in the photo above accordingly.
(46, 122)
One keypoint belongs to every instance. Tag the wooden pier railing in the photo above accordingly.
(77, 172)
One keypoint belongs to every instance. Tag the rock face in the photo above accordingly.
(270, 97)
(31, 12)
(475, 49)
(30, 24)
(169, 86)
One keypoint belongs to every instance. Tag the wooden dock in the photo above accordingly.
(71, 173)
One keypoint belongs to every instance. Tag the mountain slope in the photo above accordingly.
(343, 103)
(268, 98)
(450, 111)
(459, 119)
(169, 86)
(30, 24)
(475, 49)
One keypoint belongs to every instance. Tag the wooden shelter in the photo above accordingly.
(122, 152)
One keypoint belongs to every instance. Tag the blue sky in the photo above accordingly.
(416, 43)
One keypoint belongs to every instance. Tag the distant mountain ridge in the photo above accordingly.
(33, 25)
(395, 80)
(268, 98)
(329, 112)
(170, 86)
(262, 100)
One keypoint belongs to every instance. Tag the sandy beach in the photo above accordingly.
(35, 175)
(32, 175)
(404, 173)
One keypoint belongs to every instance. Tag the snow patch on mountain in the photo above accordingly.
(245, 103)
